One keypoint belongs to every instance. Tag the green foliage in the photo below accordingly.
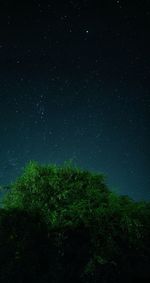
(83, 231)
(64, 196)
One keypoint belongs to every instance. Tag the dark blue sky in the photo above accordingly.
(74, 84)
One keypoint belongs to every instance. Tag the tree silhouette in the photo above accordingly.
(62, 224)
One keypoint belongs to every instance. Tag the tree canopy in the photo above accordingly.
(67, 225)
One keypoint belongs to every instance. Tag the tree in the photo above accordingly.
(84, 232)
(64, 195)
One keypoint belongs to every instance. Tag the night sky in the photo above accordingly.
(75, 84)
